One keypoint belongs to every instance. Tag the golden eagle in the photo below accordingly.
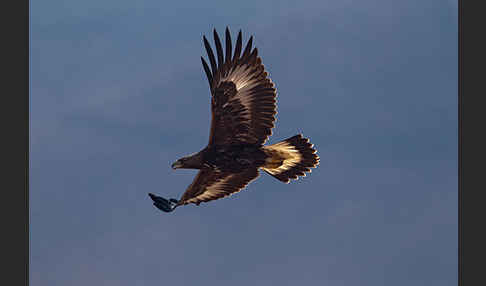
(243, 108)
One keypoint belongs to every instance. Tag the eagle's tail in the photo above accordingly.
(290, 158)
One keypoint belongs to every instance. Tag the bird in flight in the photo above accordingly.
(243, 109)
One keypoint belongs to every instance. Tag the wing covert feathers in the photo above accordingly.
(212, 185)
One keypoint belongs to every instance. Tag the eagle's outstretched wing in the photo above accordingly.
(212, 185)
(243, 101)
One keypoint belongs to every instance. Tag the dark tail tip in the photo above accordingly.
(303, 158)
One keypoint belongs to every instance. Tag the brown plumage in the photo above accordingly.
(243, 108)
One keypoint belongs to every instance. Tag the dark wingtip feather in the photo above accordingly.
(239, 41)
(246, 53)
(219, 49)
(207, 71)
(228, 46)
(253, 56)
(212, 60)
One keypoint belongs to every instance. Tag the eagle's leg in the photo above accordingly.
(164, 204)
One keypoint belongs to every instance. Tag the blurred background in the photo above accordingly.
(118, 93)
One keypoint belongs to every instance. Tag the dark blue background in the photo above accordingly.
(118, 93)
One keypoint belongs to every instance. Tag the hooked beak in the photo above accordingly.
(177, 164)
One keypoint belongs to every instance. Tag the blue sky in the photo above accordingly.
(117, 93)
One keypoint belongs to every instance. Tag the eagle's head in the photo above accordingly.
(193, 161)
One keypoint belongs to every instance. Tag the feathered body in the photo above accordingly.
(234, 158)
(243, 108)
